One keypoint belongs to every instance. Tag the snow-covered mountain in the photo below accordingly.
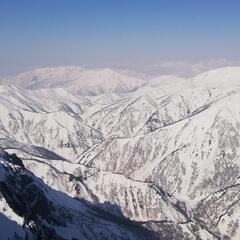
(41, 212)
(29, 209)
(223, 77)
(46, 118)
(157, 160)
(77, 80)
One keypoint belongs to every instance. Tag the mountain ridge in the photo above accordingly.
(164, 154)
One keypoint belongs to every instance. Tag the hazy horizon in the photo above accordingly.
(154, 37)
(180, 69)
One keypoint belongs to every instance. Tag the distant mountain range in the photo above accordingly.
(77, 80)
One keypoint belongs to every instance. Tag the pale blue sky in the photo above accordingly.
(116, 33)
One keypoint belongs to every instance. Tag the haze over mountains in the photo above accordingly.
(77, 80)
(104, 154)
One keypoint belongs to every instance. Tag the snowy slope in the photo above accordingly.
(147, 109)
(47, 214)
(191, 158)
(50, 214)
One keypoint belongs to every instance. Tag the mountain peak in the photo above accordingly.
(221, 77)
